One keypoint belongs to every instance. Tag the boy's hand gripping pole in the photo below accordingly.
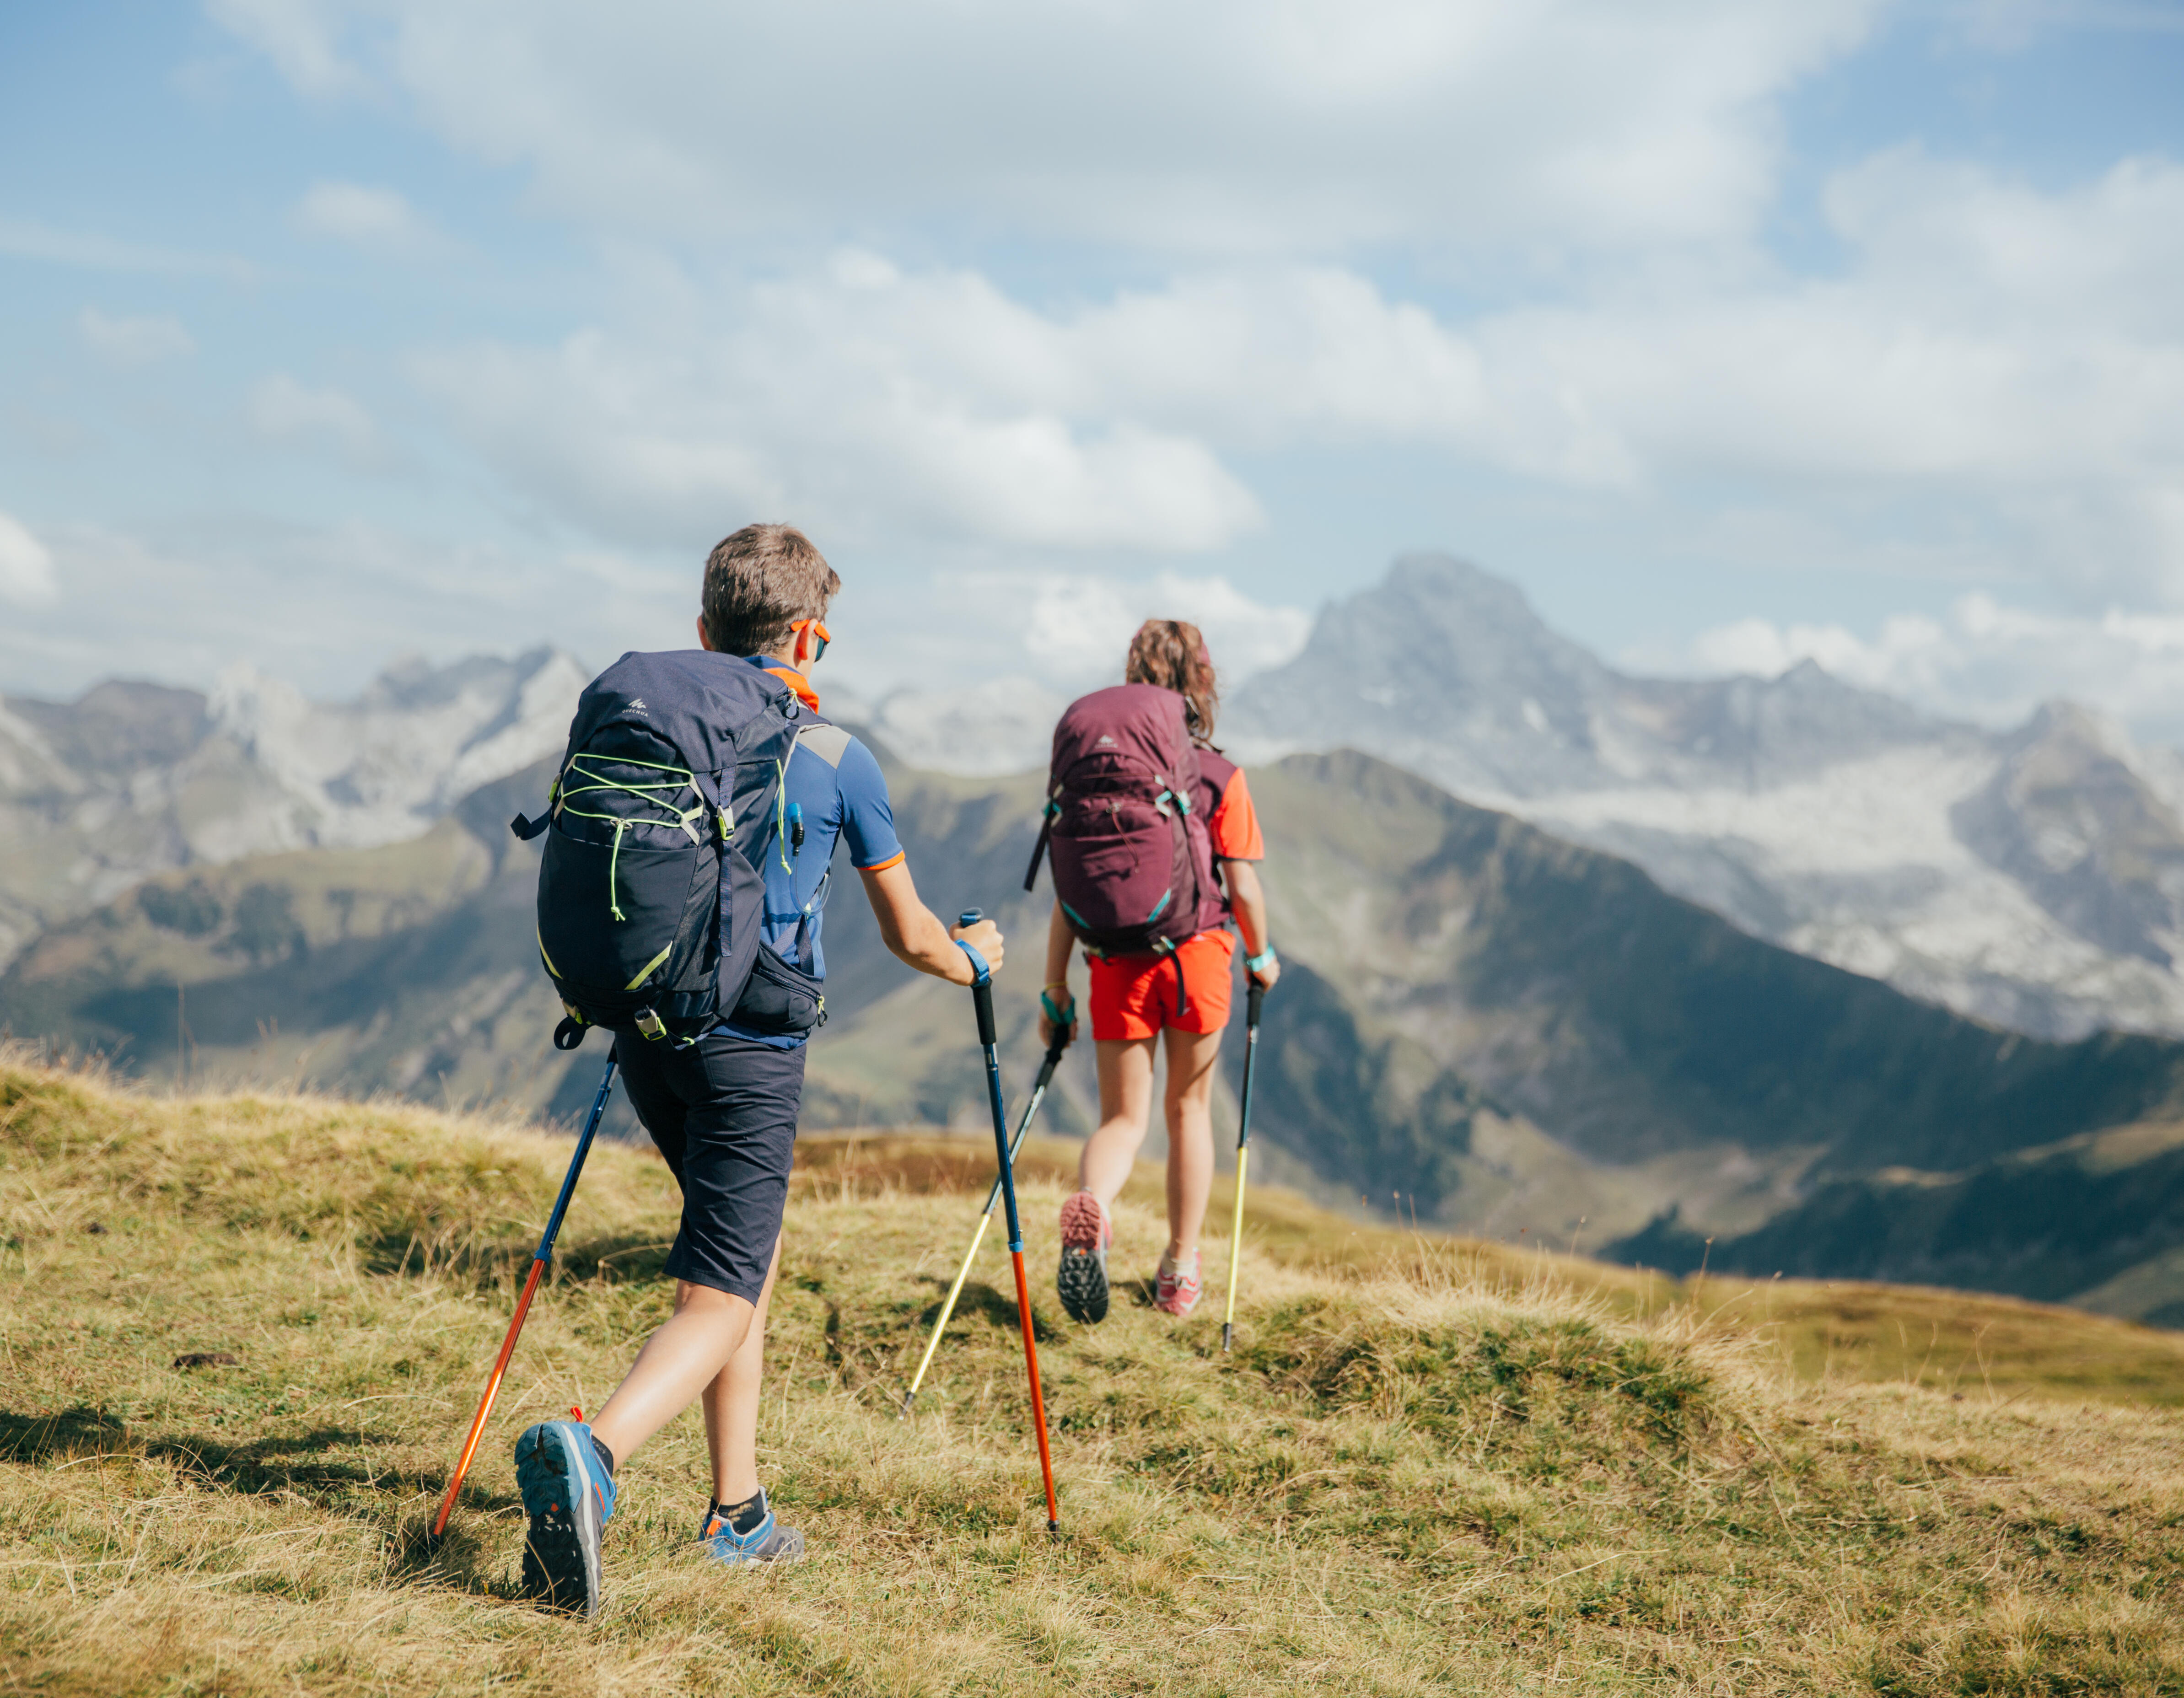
(982, 997)
(1256, 997)
(992, 1196)
(540, 1258)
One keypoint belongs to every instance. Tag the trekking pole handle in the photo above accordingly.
(1254, 1000)
(982, 980)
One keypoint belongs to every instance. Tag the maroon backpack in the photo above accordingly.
(1133, 861)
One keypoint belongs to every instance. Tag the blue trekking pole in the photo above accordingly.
(544, 1255)
(982, 997)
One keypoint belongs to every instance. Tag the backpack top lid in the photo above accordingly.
(711, 707)
(1125, 722)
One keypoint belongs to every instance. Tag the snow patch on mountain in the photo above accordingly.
(385, 766)
(133, 779)
(989, 730)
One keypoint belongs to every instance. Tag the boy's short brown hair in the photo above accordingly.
(760, 582)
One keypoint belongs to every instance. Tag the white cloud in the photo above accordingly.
(27, 239)
(934, 400)
(1232, 126)
(283, 411)
(356, 212)
(129, 341)
(26, 566)
(1988, 383)
(1984, 661)
(1079, 628)
(932, 406)
(302, 37)
(324, 606)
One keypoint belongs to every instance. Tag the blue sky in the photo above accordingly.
(1734, 333)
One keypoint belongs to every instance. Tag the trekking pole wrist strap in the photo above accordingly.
(1260, 962)
(1063, 1015)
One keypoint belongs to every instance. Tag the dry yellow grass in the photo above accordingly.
(1429, 1467)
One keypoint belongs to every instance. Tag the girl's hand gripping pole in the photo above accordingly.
(982, 997)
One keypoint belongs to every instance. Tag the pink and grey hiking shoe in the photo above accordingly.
(1082, 1280)
(1176, 1291)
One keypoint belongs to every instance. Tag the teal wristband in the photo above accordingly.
(1053, 1015)
(1260, 962)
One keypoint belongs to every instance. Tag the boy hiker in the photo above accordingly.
(722, 1108)
(1154, 845)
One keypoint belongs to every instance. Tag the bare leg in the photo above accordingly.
(704, 1334)
(731, 1402)
(1189, 1104)
(1126, 1111)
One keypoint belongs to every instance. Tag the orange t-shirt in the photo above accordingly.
(1231, 821)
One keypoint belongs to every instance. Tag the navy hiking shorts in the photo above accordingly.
(723, 1112)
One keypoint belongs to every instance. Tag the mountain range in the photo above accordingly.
(2033, 878)
(1508, 1019)
(132, 779)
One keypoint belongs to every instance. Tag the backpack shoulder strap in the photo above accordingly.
(830, 742)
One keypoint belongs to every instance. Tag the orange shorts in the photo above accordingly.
(1133, 996)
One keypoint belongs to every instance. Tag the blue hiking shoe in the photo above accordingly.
(767, 1542)
(568, 1494)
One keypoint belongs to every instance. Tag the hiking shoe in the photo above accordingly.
(568, 1494)
(767, 1542)
(1081, 1282)
(1176, 1291)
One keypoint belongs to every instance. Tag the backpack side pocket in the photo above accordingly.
(780, 999)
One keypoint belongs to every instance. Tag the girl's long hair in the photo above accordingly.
(1170, 653)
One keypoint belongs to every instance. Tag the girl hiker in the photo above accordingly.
(722, 1106)
(1154, 843)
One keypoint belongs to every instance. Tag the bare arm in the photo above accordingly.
(1060, 944)
(915, 934)
(1247, 901)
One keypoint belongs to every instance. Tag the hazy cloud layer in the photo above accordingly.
(377, 218)
(1036, 311)
(120, 340)
(1985, 661)
(1234, 127)
(26, 564)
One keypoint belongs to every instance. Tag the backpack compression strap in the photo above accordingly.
(1163, 946)
(1039, 848)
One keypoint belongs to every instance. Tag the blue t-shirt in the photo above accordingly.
(832, 790)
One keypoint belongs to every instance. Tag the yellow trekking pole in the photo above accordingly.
(1256, 996)
(948, 1309)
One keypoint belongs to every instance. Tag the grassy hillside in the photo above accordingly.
(1431, 1465)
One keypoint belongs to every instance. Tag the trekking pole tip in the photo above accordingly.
(1228, 1333)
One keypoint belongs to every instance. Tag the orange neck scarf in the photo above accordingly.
(797, 681)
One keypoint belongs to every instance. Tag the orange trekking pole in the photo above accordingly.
(981, 995)
(544, 1255)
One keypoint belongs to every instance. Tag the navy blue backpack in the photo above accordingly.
(650, 904)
